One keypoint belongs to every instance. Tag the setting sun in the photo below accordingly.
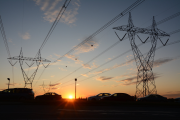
(70, 97)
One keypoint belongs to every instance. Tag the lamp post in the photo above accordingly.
(9, 82)
(75, 87)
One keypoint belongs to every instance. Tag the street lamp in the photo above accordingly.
(75, 87)
(9, 82)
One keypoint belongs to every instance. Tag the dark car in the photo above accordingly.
(153, 98)
(17, 93)
(49, 96)
(177, 99)
(98, 96)
(119, 97)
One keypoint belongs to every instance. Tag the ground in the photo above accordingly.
(83, 110)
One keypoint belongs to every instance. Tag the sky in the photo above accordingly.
(27, 22)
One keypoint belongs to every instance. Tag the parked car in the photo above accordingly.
(153, 98)
(119, 97)
(49, 96)
(17, 93)
(177, 99)
(98, 96)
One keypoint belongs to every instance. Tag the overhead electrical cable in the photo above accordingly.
(158, 23)
(173, 32)
(60, 14)
(134, 5)
(127, 10)
(4, 37)
(171, 43)
(6, 46)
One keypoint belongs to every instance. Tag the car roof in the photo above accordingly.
(121, 93)
(19, 89)
(51, 92)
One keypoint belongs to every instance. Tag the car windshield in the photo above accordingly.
(100, 94)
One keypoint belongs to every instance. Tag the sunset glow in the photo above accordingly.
(85, 46)
(70, 96)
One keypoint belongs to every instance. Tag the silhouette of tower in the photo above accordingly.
(145, 79)
(29, 80)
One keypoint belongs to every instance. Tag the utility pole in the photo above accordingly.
(75, 87)
(9, 82)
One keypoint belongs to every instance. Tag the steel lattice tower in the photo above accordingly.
(145, 79)
(29, 80)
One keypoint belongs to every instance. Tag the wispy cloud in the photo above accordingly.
(103, 78)
(69, 16)
(88, 46)
(77, 61)
(172, 94)
(25, 36)
(51, 10)
(52, 75)
(115, 66)
(56, 84)
(162, 61)
(62, 69)
(133, 80)
(85, 75)
(14, 84)
(93, 65)
(74, 58)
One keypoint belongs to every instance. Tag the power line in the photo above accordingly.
(60, 14)
(134, 5)
(160, 22)
(173, 32)
(127, 10)
(7, 47)
(4, 37)
(171, 43)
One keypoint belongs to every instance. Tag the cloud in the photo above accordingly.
(55, 84)
(103, 78)
(62, 69)
(25, 36)
(88, 46)
(54, 88)
(51, 10)
(162, 61)
(77, 61)
(115, 66)
(69, 16)
(172, 94)
(52, 76)
(37, 2)
(14, 84)
(133, 80)
(74, 58)
(57, 55)
(85, 75)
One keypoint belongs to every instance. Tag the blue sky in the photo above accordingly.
(27, 22)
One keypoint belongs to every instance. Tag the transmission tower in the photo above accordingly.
(145, 79)
(29, 80)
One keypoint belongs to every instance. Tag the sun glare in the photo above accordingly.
(70, 97)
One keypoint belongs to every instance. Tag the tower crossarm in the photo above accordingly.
(158, 32)
(29, 59)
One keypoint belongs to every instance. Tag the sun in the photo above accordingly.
(70, 96)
